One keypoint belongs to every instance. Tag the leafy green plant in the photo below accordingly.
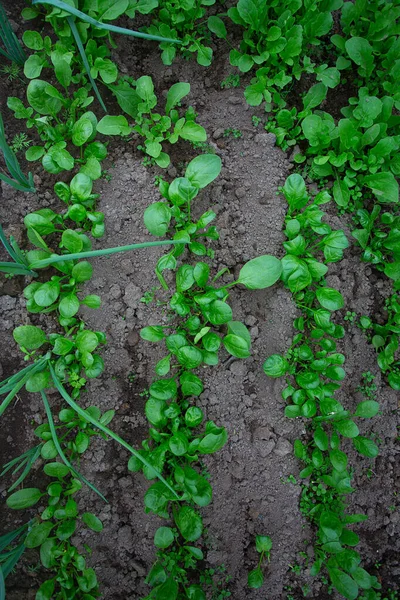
(12, 48)
(62, 17)
(153, 127)
(277, 35)
(231, 81)
(180, 20)
(313, 370)
(255, 578)
(178, 434)
(15, 177)
(235, 133)
(77, 125)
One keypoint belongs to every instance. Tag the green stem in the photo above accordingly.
(104, 429)
(55, 258)
(60, 450)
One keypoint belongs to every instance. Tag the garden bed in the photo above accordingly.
(255, 477)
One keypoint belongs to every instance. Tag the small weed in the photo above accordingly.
(232, 81)
(232, 132)
(368, 388)
(11, 71)
(204, 147)
(256, 120)
(350, 317)
(106, 176)
(295, 569)
(19, 142)
(148, 296)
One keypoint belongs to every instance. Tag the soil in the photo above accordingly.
(252, 494)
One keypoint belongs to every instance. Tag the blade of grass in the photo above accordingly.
(105, 429)
(14, 51)
(60, 450)
(85, 61)
(8, 384)
(20, 384)
(7, 538)
(55, 258)
(30, 460)
(84, 17)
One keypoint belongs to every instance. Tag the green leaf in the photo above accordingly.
(367, 409)
(69, 306)
(178, 444)
(86, 341)
(214, 441)
(189, 523)
(339, 460)
(384, 186)
(163, 537)
(217, 26)
(361, 52)
(189, 357)
(157, 218)
(38, 534)
(81, 186)
(263, 543)
(204, 55)
(175, 94)
(43, 97)
(344, 584)
(260, 272)
(295, 191)
(153, 333)
(24, 498)
(82, 271)
(330, 298)
(193, 132)
(110, 125)
(341, 193)
(219, 312)
(56, 469)
(203, 169)
(275, 366)
(315, 95)
(92, 521)
(365, 446)
(236, 346)
(255, 579)
(29, 337)
(72, 241)
(33, 40)
(81, 131)
(184, 278)
(38, 381)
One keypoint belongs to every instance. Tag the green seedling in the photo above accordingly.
(235, 133)
(11, 72)
(154, 128)
(19, 142)
(186, 22)
(255, 578)
(231, 81)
